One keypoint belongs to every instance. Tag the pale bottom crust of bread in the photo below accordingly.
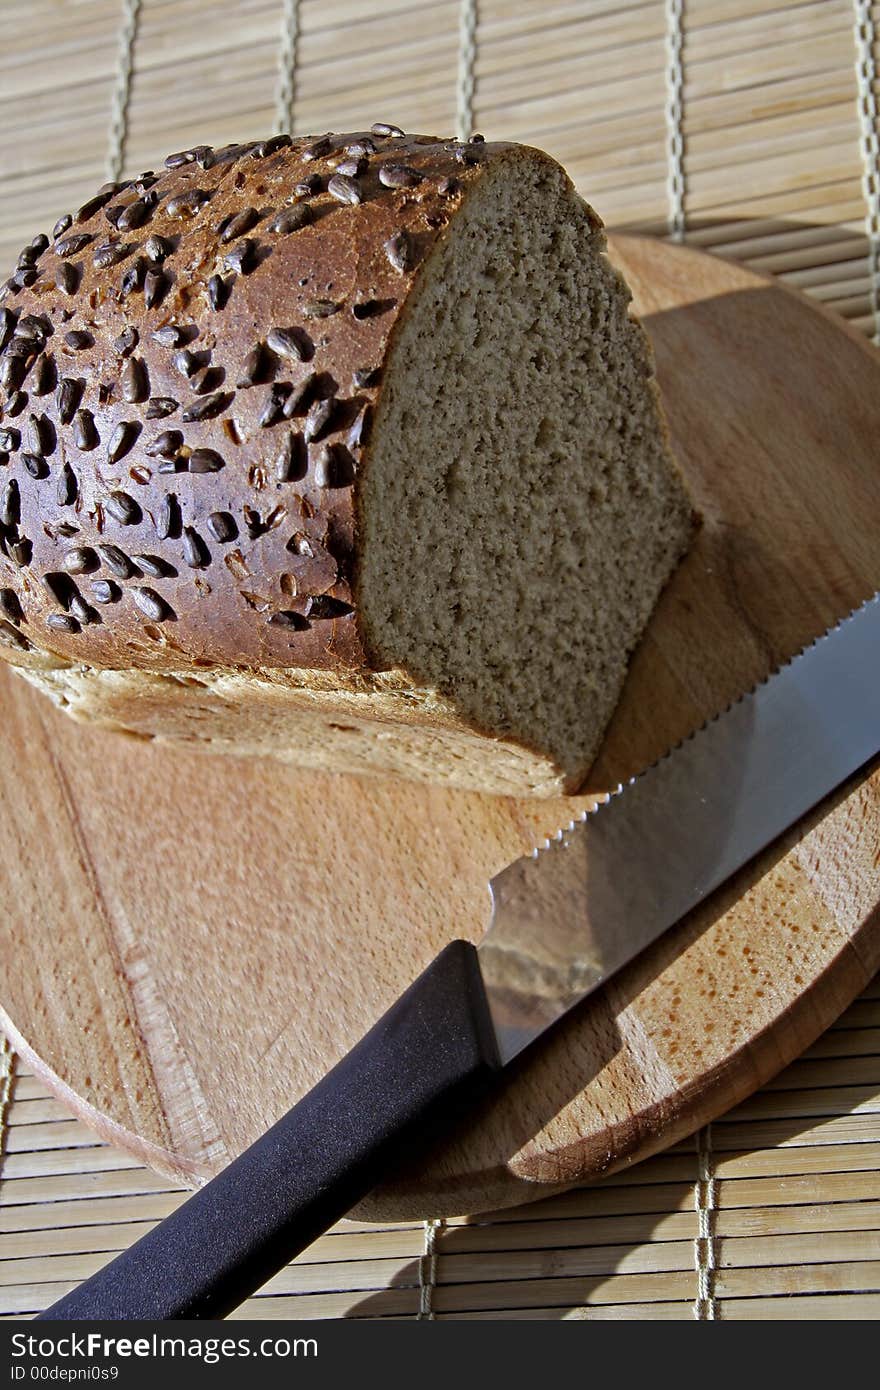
(377, 724)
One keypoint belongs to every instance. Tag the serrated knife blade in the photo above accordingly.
(572, 913)
(564, 920)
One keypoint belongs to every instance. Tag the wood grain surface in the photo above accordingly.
(191, 941)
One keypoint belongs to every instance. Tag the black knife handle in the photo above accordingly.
(428, 1057)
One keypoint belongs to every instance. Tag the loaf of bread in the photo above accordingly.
(344, 450)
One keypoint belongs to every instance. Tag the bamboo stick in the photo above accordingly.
(793, 1279)
(763, 235)
(369, 1262)
(798, 1220)
(57, 1134)
(666, 1285)
(342, 1245)
(395, 1303)
(835, 201)
(600, 1199)
(53, 1217)
(565, 106)
(804, 1189)
(864, 1013)
(810, 260)
(794, 94)
(853, 306)
(43, 1110)
(611, 1312)
(848, 1306)
(776, 175)
(628, 63)
(65, 1162)
(794, 1131)
(501, 17)
(85, 1186)
(766, 64)
(744, 145)
(384, 1303)
(26, 1086)
(801, 26)
(799, 1104)
(361, 1276)
(808, 1248)
(734, 11)
(827, 1307)
(580, 1231)
(824, 1072)
(800, 1158)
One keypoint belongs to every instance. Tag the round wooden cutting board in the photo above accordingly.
(190, 942)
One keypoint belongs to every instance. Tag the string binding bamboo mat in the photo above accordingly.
(743, 127)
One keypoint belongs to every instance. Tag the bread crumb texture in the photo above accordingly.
(343, 450)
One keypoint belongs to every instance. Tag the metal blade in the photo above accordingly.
(568, 916)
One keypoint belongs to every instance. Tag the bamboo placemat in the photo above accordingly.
(745, 127)
(771, 1212)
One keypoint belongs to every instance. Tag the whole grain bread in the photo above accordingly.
(342, 449)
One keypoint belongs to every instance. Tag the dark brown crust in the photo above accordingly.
(82, 471)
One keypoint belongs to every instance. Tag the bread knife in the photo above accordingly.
(564, 919)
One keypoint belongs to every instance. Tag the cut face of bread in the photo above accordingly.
(520, 511)
(343, 451)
